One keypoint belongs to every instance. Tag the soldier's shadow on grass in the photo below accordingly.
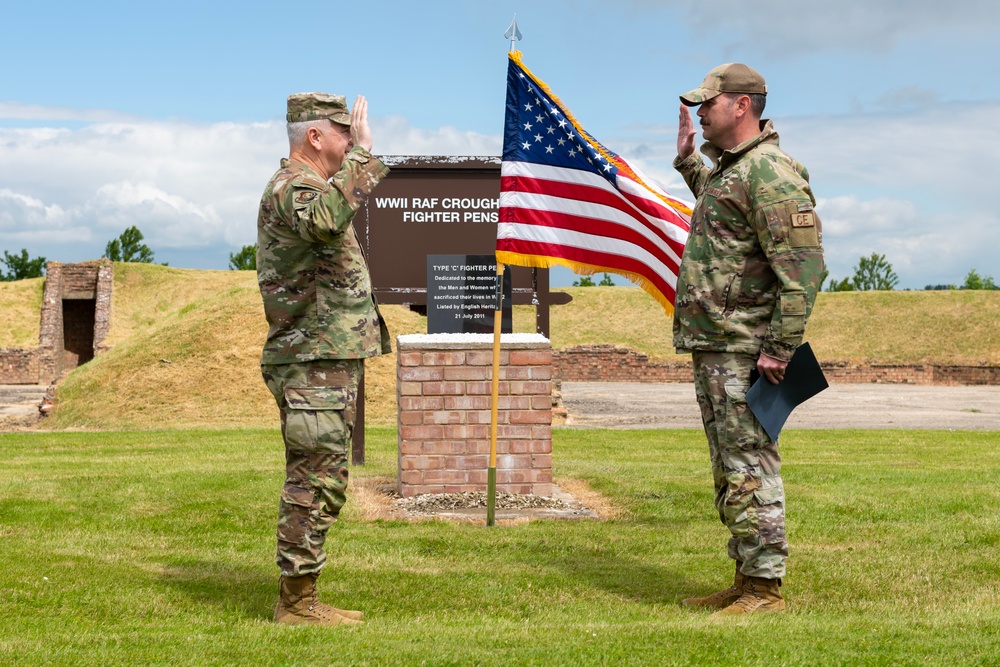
(251, 594)
(633, 578)
(243, 592)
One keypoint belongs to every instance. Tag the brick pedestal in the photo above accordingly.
(443, 391)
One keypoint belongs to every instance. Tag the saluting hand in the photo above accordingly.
(685, 133)
(361, 134)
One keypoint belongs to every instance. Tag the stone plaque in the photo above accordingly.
(461, 294)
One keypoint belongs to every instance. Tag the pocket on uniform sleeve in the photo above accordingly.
(793, 314)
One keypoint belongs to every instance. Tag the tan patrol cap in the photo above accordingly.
(728, 78)
(314, 106)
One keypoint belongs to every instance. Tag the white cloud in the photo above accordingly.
(185, 185)
(905, 185)
(849, 218)
(934, 152)
(30, 221)
(395, 136)
(170, 220)
(935, 251)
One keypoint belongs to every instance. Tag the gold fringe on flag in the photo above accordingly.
(547, 262)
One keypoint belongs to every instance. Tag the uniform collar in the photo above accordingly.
(721, 158)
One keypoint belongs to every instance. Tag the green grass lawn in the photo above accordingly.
(156, 547)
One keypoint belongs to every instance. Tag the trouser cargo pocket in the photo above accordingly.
(315, 420)
(293, 514)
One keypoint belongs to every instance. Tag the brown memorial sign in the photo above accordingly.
(439, 205)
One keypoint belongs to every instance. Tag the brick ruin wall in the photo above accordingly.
(610, 363)
(19, 366)
(83, 292)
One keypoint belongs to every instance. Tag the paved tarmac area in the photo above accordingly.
(866, 406)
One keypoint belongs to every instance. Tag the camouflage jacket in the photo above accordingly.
(311, 270)
(754, 258)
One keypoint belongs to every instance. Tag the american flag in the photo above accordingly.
(567, 200)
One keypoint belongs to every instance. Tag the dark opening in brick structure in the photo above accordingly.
(78, 331)
(75, 319)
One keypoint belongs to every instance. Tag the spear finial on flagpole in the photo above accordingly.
(513, 34)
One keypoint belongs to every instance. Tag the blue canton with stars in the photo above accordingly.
(536, 130)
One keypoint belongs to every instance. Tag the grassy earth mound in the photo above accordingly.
(185, 344)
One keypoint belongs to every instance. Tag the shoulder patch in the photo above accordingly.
(305, 196)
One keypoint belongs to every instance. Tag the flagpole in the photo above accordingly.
(491, 472)
(513, 34)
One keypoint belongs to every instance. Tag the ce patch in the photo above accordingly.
(807, 219)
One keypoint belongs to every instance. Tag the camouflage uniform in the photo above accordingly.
(746, 285)
(324, 321)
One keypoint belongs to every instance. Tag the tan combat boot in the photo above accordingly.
(298, 604)
(721, 599)
(759, 595)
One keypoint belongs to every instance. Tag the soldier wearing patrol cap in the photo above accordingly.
(746, 285)
(323, 322)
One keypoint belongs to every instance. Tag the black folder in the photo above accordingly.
(772, 403)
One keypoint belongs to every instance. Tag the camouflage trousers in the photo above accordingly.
(317, 401)
(746, 467)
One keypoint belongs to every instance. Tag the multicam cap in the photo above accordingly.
(728, 78)
(314, 106)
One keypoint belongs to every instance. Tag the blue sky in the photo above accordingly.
(169, 116)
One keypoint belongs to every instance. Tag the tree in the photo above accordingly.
(588, 281)
(245, 259)
(22, 268)
(874, 273)
(129, 248)
(844, 285)
(974, 281)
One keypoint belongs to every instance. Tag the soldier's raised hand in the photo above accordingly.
(361, 133)
(685, 133)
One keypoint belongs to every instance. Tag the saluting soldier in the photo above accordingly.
(324, 321)
(748, 281)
